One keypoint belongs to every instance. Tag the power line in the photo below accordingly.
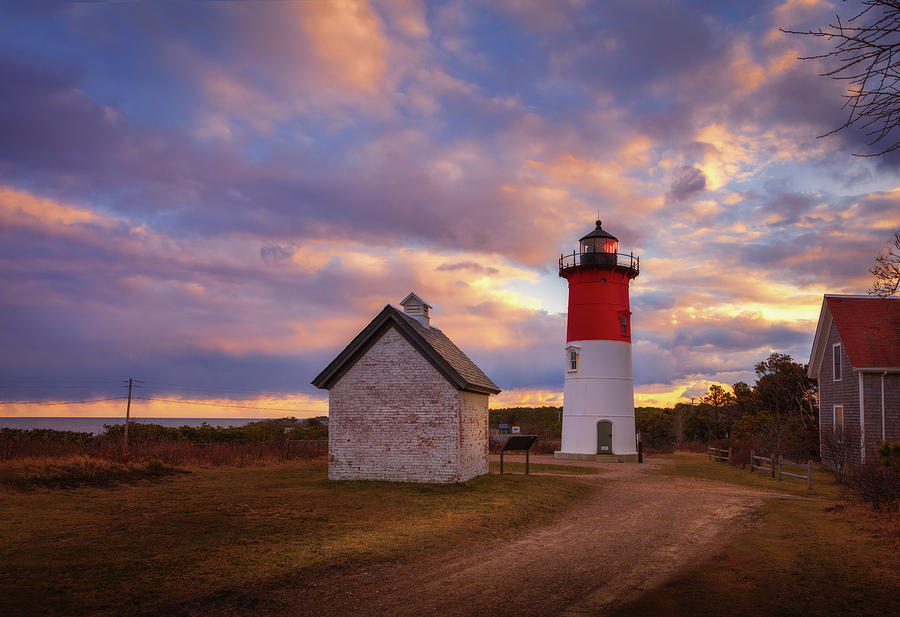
(57, 381)
(96, 400)
(164, 400)
(207, 388)
(32, 386)
(154, 385)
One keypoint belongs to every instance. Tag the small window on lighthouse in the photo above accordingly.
(573, 360)
(623, 323)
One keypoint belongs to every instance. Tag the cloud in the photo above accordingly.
(687, 182)
(346, 38)
(275, 253)
(232, 193)
(468, 265)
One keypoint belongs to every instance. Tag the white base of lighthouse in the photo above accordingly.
(598, 399)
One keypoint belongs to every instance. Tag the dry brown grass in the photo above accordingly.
(76, 471)
(169, 452)
(226, 537)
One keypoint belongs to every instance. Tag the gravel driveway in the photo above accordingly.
(632, 536)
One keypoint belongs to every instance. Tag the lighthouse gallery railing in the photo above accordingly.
(622, 260)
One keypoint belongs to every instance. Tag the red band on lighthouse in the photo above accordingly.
(598, 305)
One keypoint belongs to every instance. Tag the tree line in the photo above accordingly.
(777, 414)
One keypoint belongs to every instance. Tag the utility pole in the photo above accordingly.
(128, 410)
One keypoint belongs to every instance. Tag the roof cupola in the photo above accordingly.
(416, 307)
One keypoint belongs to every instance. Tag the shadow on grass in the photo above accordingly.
(85, 473)
(797, 558)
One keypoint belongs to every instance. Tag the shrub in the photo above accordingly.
(838, 449)
(20, 443)
(657, 428)
(740, 452)
(889, 453)
(541, 421)
(311, 429)
(876, 485)
(262, 442)
(138, 432)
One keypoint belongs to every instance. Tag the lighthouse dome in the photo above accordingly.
(599, 241)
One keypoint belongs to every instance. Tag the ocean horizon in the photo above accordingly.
(88, 424)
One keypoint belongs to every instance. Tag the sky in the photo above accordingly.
(214, 198)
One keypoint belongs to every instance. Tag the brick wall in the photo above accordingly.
(392, 416)
(473, 433)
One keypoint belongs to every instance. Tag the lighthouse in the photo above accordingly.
(598, 397)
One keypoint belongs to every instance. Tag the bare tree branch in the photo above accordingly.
(887, 269)
(864, 56)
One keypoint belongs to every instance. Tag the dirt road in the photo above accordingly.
(635, 533)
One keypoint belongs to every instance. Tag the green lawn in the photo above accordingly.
(821, 557)
(214, 532)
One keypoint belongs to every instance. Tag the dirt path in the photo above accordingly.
(636, 533)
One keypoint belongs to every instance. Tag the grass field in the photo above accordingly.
(189, 539)
(819, 557)
(699, 466)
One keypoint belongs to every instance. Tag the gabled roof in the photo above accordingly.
(447, 358)
(869, 328)
(414, 299)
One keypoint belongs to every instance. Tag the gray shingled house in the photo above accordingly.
(405, 403)
(856, 359)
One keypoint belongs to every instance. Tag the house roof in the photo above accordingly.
(869, 328)
(447, 358)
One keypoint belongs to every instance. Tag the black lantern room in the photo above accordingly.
(599, 249)
(599, 241)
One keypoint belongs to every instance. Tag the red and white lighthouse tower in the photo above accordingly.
(598, 404)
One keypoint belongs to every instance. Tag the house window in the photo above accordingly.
(573, 360)
(836, 360)
(839, 417)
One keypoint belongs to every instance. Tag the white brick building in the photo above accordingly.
(405, 403)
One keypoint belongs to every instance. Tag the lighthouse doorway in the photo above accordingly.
(604, 437)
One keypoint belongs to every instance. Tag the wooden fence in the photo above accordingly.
(719, 454)
(776, 468)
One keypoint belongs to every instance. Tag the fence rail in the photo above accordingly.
(719, 454)
(776, 468)
(754, 458)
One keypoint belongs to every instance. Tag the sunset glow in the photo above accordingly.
(215, 198)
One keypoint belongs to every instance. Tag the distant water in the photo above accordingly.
(95, 425)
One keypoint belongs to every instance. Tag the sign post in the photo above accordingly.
(518, 442)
